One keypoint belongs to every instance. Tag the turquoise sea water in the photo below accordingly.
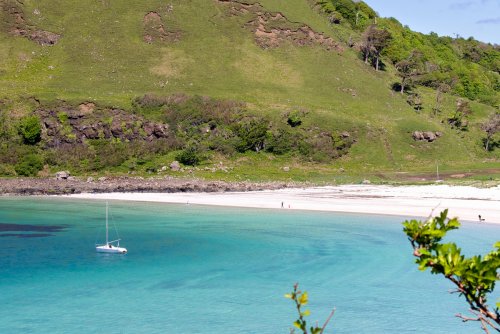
(197, 269)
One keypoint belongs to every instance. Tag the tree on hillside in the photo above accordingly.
(410, 69)
(474, 277)
(357, 13)
(491, 127)
(459, 118)
(441, 89)
(373, 43)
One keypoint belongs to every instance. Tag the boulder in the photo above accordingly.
(116, 128)
(160, 130)
(429, 136)
(175, 166)
(62, 175)
(417, 135)
(148, 129)
(89, 132)
(345, 134)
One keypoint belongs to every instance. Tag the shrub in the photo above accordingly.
(252, 134)
(342, 142)
(294, 119)
(7, 170)
(190, 156)
(7, 131)
(71, 156)
(109, 154)
(29, 165)
(223, 145)
(279, 142)
(30, 129)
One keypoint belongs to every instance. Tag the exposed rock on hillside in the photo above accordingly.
(273, 29)
(426, 135)
(66, 124)
(154, 30)
(16, 24)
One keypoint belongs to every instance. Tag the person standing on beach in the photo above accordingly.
(282, 205)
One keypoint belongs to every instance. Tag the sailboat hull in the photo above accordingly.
(110, 249)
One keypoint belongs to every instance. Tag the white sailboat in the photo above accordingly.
(108, 247)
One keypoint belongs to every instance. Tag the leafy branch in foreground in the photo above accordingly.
(474, 277)
(301, 299)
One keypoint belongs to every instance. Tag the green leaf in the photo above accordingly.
(306, 313)
(476, 275)
(288, 295)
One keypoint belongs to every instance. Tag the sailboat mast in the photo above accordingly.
(107, 224)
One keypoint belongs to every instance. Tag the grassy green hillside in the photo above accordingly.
(111, 52)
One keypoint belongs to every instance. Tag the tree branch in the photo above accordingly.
(327, 321)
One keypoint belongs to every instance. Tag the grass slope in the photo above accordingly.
(103, 57)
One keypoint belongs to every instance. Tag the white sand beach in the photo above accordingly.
(465, 202)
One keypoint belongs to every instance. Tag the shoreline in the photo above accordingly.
(464, 202)
(112, 184)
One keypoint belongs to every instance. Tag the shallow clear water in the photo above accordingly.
(196, 269)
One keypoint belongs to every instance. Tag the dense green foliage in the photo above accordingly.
(357, 13)
(470, 67)
(30, 129)
(449, 61)
(474, 277)
(227, 127)
(294, 119)
(190, 156)
(29, 165)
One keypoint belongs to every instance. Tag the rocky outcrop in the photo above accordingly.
(271, 30)
(17, 25)
(65, 124)
(428, 136)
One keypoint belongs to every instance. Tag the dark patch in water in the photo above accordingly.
(6, 227)
(21, 235)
